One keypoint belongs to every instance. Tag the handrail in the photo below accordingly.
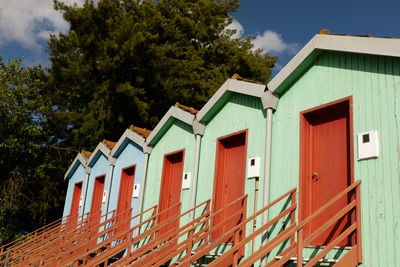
(70, 233)
(126, 243)
(81, 239)
(297, 248)
(9, 245)
(172, 248)
(82, 246)
(161, 239)
(22, 242)
(208, 247)
(242, 243)
(45, 234)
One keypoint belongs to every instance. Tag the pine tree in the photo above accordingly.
(128, 61)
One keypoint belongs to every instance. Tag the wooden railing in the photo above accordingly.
(71, 233)
(232, 255)
(13, 250)
(106, 236)
(62, 243)
(287, 211)
(126, 242)
(85, 240)
(200, 243)
(175, 242)
(351, 258)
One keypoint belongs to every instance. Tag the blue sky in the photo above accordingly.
(279, 27)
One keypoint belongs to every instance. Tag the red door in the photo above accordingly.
(325, 165)
(171, 185)
(125, 198)
(95, 210)
(229, 178)
(73, 215)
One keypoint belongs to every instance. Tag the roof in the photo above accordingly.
(142, 131)
(223, 93)
(186, 108)
(81, 158)
(100, 149)
(86, 153)
(109, 144)
(330, 42)
(237, 77)
(172, 114)
(133, 133)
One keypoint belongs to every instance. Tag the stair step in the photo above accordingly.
(325, 260)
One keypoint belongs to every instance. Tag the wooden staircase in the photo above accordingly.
(290, 238)
(192, 237)
(14, 252)
(151, 242)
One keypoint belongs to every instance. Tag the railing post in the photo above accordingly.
(236, 253)
(358, 222)
(189, 243)
(300, 247)
(293, 215)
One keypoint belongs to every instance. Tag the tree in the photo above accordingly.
(27, 191)
(128, 61)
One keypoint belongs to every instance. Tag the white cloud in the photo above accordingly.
(235, 25)
(30, 21)
(271, 41)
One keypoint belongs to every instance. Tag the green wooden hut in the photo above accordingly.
(173, 146)
(337, 122)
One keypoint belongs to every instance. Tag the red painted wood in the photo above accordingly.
(171, 185)
(73, 215)
(125, 197)
(326, 156)
(229, 178)
(97, 196)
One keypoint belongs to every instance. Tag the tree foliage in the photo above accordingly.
(121, 62)
(128, 61)
(27, 193)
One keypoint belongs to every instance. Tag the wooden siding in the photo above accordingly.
(178, 136)
(240, 112)
(132, 154)
(99, 167)
(374, 83)
(78, 176)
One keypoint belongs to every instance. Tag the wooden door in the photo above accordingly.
(326, 165)
(74, 213)
(171, 184)
(229, 178)
(125, 198)
(95, 210)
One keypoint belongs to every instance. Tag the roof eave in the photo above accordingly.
(231, 85)
(79, 158)
(175, 113)
(133, 136)
(101, 148)
(320, 42)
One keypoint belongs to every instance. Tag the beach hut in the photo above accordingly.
(337, 124)
(171, 166)
(98, 170)
(127, 161)
(75, 176)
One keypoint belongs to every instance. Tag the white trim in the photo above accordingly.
(100, 148)
(131, 135)
(351, 44)
(174, 112)
(79, 158)
(241, 87)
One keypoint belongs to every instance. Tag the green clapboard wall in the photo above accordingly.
(374, 83)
